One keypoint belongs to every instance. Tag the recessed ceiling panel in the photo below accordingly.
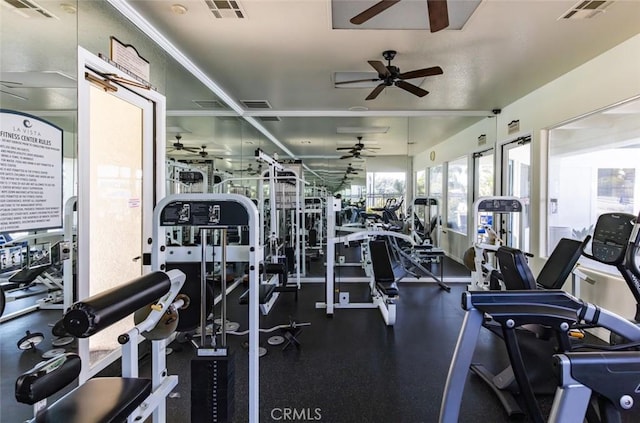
(406, 14)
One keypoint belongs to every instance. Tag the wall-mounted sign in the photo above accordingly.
(482, 139)
(432, 155)
(127, 56)
(30, 173)
(513, 126)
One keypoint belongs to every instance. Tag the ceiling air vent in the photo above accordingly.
(209, 104)
(225, 9)
(256, 104)
(586, 9)
(269, 118)
(29, 8)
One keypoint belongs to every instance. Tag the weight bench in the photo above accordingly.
(383, 274)
(267, 290)
(107, 399)
(112, 399)
(384, 288)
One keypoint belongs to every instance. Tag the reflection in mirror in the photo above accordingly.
(38, 78)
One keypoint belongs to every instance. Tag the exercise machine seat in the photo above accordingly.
(98, 400)
(515, 270)
(382, 270)
(388, 289)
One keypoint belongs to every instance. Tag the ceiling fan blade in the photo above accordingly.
(191, 149)
(356, 80)
(344, 148)
(379, 67)
(346, 156)
(377, 8)
(421, 73)
(438, 15)
(412, 88)
(377, 90)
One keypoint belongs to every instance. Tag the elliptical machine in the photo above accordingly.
(616, 242)
(611, 373)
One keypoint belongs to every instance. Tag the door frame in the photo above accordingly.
(153, 165)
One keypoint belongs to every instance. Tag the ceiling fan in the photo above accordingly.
(437, 10)
(251, 171)
(178, 146)
(352, 170)
(390, 75)
(356, 150)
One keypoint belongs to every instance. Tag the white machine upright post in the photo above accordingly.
(333, 206)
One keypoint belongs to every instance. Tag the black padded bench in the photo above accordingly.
(98, 400)
(383, 274)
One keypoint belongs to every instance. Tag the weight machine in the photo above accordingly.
(426, 223)
(286, 215)
(217, 213)
(376, 263)
(480, 257)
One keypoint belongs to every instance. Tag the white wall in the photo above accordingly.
(603, 81)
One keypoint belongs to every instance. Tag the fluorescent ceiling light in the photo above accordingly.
(362, 129)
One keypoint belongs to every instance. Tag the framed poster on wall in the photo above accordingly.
(30, 173)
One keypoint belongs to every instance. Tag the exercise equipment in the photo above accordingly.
(38, 275)
(30, 341)
(487, 212)
(425, 222)
(615, 241)
(516, 275)
(559, 311)
(381, 298)
(119, 397)
(216, 213)
(53, 353)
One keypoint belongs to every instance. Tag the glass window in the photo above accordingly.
(593, 169)
(383, 187)
(516, 157)
(421, 183)
(483, 164)
(457, 187)
(435, 181)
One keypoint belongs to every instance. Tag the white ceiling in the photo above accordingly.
(286, 52)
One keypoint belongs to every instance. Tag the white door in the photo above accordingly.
(516, 181)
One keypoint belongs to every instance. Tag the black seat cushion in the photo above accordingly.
(99, 400)
(388, 289)
(515, 270)
(381, 261)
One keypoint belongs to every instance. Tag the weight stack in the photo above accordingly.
(212, 389)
